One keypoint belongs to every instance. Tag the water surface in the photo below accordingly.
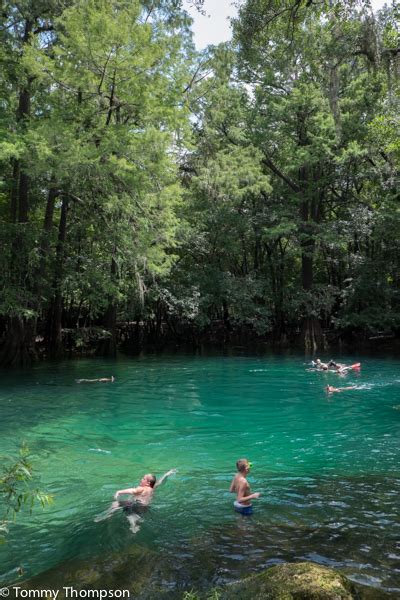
(327, 466)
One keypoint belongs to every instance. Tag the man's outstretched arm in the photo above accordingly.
(127, 491)
(164, 477)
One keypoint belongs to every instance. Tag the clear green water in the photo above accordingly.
(327, 467)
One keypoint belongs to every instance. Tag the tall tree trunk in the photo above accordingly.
(54, 330)
(14, 192)
(311, 335)
(108, 347)
(23, 112)
(42, 284)
(19, 343)
(334, 92)
(19, 346)
(280, 294)
(23, 200)
(46, 233)
(307, 263)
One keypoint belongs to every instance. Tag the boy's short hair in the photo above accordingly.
(241, 464)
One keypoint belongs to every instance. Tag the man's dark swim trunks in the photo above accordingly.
(131, 507)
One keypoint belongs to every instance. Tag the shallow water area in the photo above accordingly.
(327, 465)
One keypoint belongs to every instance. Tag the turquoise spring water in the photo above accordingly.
(327, 466)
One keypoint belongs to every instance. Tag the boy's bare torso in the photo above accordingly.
(240, 486)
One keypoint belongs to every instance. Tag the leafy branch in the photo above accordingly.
(15, 488)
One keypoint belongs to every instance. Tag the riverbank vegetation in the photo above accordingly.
(16, 489)
(151, 192)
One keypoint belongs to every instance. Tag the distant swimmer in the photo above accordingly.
(101, 380)
(240, 486)
(139, 503)
(330, 389)
(332, 365)
(320, 365)
(342, 369)
(336, 366)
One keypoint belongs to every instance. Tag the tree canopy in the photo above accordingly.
(151, 190)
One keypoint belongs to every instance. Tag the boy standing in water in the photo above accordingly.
(240, 486)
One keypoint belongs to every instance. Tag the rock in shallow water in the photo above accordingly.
(299, 581)
(286, 581)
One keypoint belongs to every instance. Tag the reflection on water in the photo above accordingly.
(327, 467)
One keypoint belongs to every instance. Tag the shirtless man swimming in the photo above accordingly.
(139, 503)
(240, 486)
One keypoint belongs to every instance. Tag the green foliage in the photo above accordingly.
(105, 82)
(250, 184)
(16, 491)
(288, 174)
(213, 595)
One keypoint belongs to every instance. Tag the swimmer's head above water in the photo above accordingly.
(148, 480)
(243, 465)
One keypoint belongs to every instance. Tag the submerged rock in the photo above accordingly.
(298, 581)
(130, 570)
(136, 571)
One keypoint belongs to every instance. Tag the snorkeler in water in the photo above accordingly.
(330, 389)
(138, 503)
(320, 365)
(101, 380)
